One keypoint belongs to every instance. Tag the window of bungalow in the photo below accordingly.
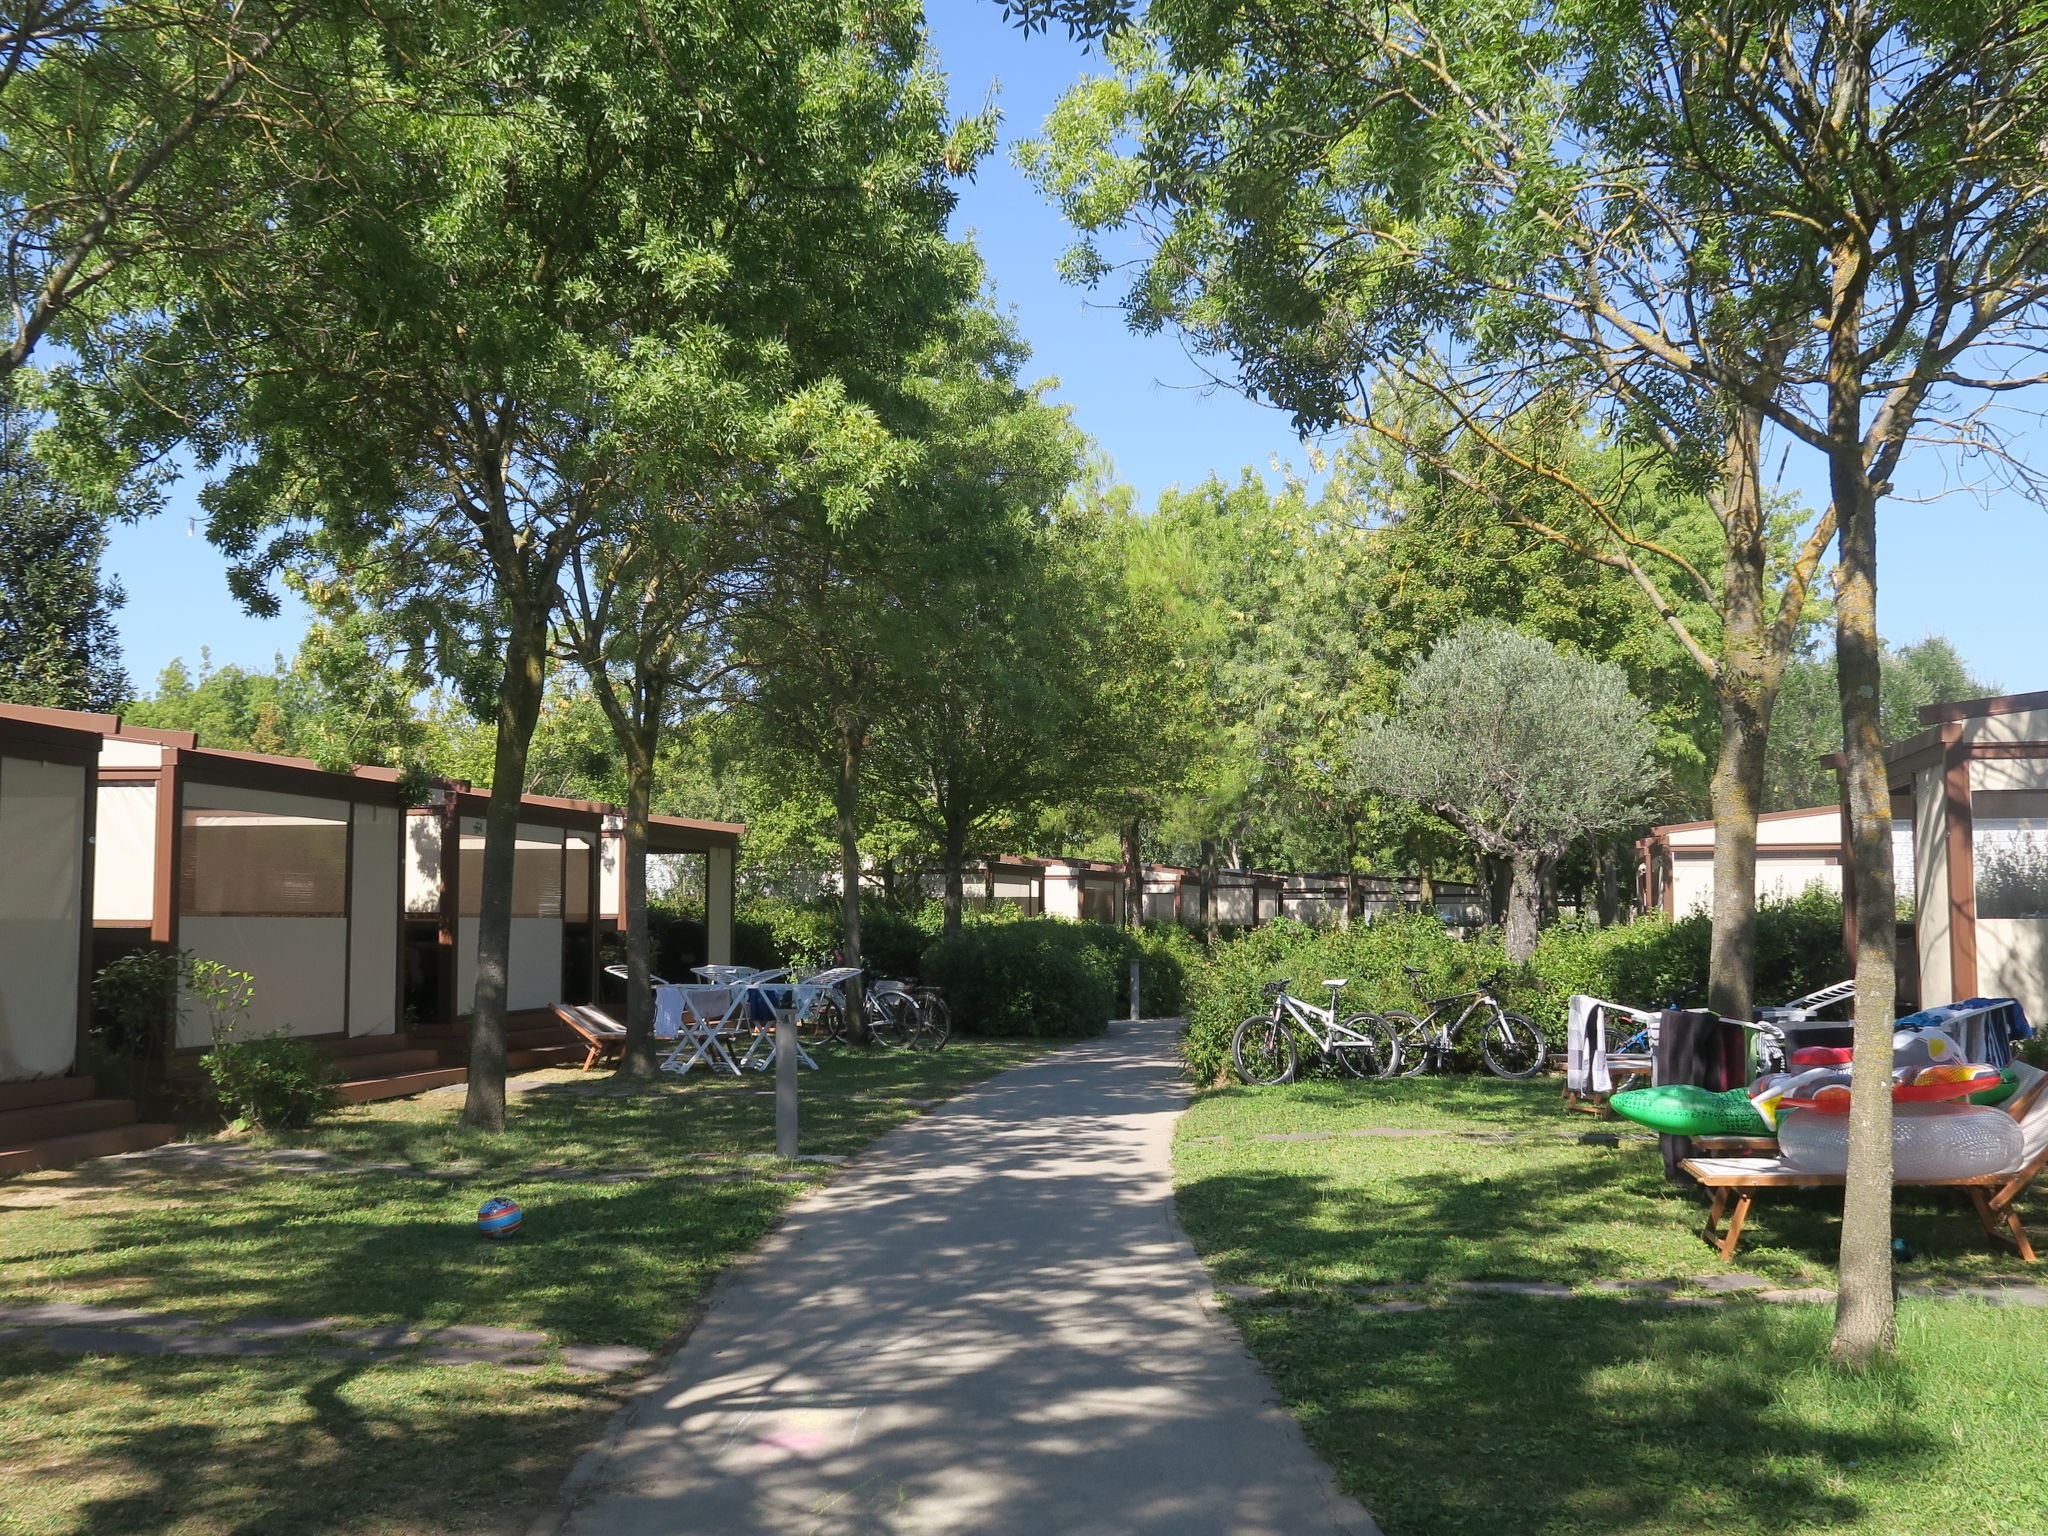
(1905, 875)
(537, 881)
(2009, 848)
(236, 863)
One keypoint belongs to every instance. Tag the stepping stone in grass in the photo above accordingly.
(1735, 1282)
(483, 1336)
(604, 1358)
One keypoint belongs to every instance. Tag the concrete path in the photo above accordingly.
(990, 1325)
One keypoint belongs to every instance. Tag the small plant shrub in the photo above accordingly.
(1039, 976)
(272, 1083)
(135, 1003)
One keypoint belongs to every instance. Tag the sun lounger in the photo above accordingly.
(602, 1034)
(1736, 1181)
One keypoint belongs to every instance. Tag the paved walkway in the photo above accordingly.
(990, 1325)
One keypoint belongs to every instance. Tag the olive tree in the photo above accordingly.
(1519, 745)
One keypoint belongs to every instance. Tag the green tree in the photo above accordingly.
(1730, 220)
(1808, 726)
(57, 643)
(427, 373)
(1519, 745)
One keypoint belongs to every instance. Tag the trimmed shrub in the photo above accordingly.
(1040, 976)
(769, 932)
(1652, 962)
(273, 1083)
(1225, 991)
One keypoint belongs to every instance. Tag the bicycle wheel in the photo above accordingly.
(1411, 1043)
(1513, 1047)
(1263, 1051)
(934, 1023)
(825, 1025)
(1376, 1054)
(892, 1019)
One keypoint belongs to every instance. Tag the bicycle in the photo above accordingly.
(1510, 1044)
(1265, 1053)
(934, 1018)
(891, 1014)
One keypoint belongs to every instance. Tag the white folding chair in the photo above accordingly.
(697, 1019)
(800, 998)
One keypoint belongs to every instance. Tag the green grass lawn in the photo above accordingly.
(299, 1444)
(1594, 1415)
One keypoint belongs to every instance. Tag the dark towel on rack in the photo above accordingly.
(1697, 1047)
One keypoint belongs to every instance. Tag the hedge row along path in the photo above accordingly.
(991, 1323)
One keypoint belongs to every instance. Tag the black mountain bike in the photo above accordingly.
(1510, 1044)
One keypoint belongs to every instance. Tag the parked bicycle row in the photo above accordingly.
(1269, 1047)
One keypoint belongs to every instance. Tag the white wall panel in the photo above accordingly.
(124, 854)
(299, 964)
(374, 920)
(42, 829)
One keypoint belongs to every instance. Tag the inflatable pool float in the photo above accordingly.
(1929, 1141)
(2008, 1084)
(1830, 1102)
(1679, 1109)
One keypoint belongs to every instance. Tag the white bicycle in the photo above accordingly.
(1265, 1050)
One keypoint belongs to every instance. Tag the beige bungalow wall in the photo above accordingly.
(314, 975)
(1781, 870)
(42, 879)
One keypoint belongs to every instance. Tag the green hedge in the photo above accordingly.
(1039, 977)
(1651, 963)
(895, 942)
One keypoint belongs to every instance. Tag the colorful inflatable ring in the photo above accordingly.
(2008, 1085)
(1679, 1109)
(1916, 1093)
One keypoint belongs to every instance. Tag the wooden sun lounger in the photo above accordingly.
(1735, 1182)
(602, 1034)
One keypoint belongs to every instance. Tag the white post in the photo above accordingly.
(785, 1081)
(1136, 1013)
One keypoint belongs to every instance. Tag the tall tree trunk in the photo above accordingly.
(1350, 820)
(1209, 914)
(1746, 688)
(1425, 888)
(1606, 881)
(519, 697)
(955, 857)
(1526, 873)
(638, 1058)
(846, 823)
(1865, 1324)
(1134, 876)
(1864, 1320)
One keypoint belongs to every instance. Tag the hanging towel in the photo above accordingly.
(1700, 1048)
(1586, 1046)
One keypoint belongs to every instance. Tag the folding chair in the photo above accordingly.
(698, 1019)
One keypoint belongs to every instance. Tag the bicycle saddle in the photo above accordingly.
(1342, 983)
(1415, 970)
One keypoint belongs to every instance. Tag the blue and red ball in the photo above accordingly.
(498, 1217)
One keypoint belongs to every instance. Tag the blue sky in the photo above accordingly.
(1964, 567)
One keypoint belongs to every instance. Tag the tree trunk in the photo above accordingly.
(1134, 876)
(1526, 873)
(1606, 882)
(1425, 889)
(1745, 688)
(1494, 875)
(519, 699)
(846, 822)
(638, 1059)
(955, 857)
(1350, 869)
(1864, 1314)
(1209, 915)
